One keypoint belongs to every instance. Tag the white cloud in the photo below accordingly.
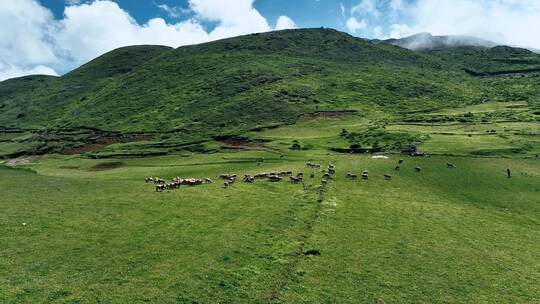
(11, 71)
(73, 2)
(354, 25)
(515, 22)
(233, 17)
(174, 11)
(32, 41)
(285, 22)
(366, 7)
(82, 38)
(24, 42)
(400, 30)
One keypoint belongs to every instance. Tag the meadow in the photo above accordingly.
(98, 233)
(79, 224)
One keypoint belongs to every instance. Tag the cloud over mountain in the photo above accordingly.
(32, 41)
(514, 22)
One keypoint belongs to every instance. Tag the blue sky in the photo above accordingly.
(305, 13)
(55, 36)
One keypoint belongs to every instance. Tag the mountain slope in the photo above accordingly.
(266, 78)
(234, 85)
(36, 101)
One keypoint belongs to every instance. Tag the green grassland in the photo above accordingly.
(467, 234)
(78, 224)
(444, 235)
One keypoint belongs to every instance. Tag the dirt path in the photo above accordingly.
(274, 292)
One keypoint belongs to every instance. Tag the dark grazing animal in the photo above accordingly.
(418, 169)
(160, 187)
(397, 168)
(400, 161)
(365, 175)
(387, 176)
(450, 165)
(295, 179)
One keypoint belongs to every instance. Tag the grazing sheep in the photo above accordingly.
(248, 179)
(397, 168)
(208, 180)
(450, 165)
(312, 175)
(274, 178)
(387, 176)
(295, 179)
(365, 174)
(160, 187)
(418, 169)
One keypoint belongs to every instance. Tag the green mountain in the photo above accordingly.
(227, 87)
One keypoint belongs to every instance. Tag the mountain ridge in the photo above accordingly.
(234, 85)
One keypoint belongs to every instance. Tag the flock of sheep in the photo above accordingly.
(230, 179)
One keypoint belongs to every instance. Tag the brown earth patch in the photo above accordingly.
(69, 167)
(242, 144)
(106, 166)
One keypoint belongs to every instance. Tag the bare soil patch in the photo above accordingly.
(106, 166)
(22, 160)
(69, 167)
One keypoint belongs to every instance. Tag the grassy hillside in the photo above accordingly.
(37, 102)
(231, 86)
(80, 225)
